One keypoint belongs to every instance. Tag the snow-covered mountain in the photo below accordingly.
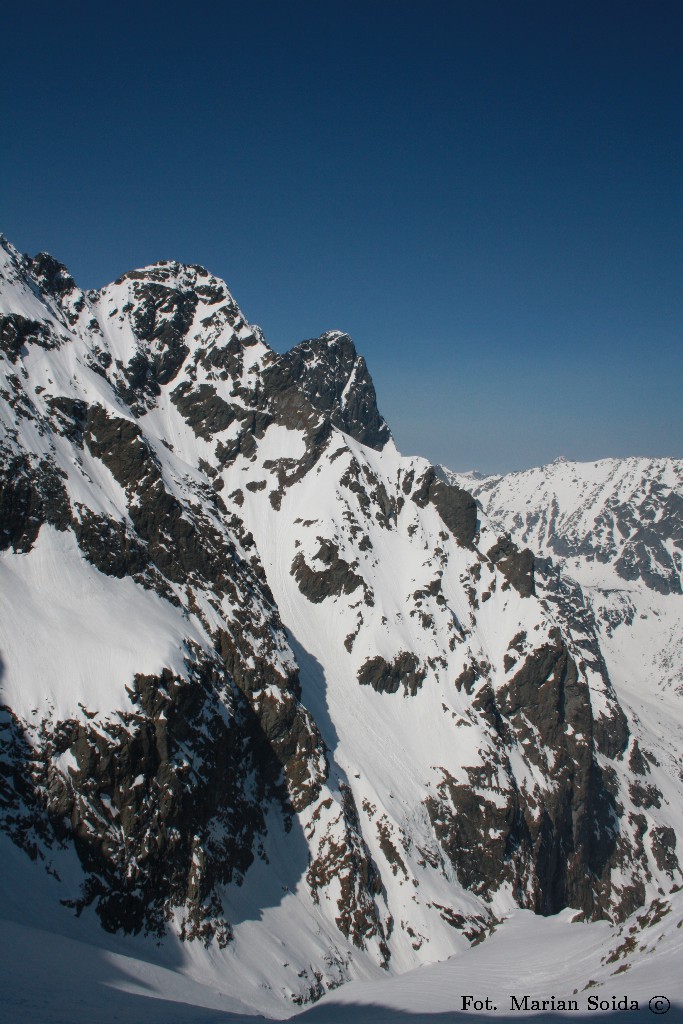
(613, 523)
(274, 694)
(607, 538)
(608, 541)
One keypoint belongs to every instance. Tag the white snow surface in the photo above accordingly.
(52, 598)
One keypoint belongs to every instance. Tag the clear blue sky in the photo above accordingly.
(488, 196)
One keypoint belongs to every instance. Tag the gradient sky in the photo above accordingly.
(488, 196)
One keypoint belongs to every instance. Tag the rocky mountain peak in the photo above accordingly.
(179, 277)
(332, 376)
(163, 317)
(163, 292)
(52, 276)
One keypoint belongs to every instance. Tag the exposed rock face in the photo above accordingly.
(31, 493)
(350, 865)
(289, 738)
(457, 507)
(253, 654)
(338, 576)
(17, 332)
(203, 409)
(517, 566)
(169, 784)
(555, 849)
(328, 373)
(387, 677)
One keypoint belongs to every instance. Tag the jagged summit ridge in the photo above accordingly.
(259, 667)
(168, 317)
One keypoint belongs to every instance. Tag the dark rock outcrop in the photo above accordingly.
(457, 508)
(204, 410)
(556, 850)
(334, 379)
(349, 863)
(517, 566)
(17, 331)
(156, 802)
(32, 492)
(388, 676)
(338, 576)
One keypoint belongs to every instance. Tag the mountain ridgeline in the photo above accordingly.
(273, 688)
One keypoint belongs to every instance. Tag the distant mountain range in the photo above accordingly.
(315, 709)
